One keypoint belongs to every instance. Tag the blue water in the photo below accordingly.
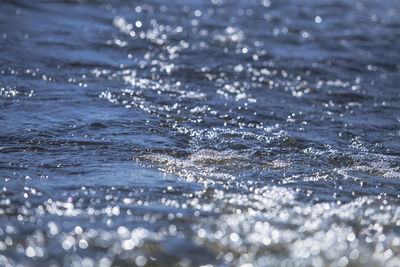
(186, 133)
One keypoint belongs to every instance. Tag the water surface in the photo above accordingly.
(185, 133)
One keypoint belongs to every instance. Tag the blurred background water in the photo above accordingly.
(166, 133)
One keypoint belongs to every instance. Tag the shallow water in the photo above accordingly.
(189, 132)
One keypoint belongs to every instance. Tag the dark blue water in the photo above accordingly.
(185, 133)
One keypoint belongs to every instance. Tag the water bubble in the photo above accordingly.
(140, 260)
(138, 24)
(83, 244)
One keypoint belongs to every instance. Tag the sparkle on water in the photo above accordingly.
(243, 133)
